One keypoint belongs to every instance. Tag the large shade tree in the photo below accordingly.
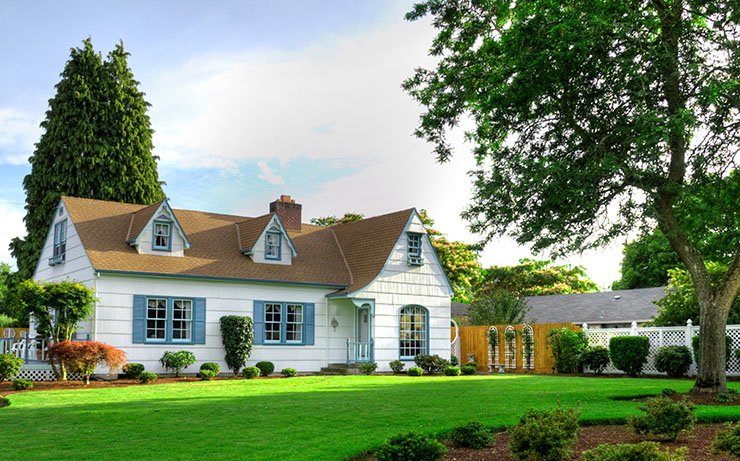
(533, 277)
(96, 143)
(592, 118)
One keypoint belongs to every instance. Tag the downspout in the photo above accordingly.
(96, 275)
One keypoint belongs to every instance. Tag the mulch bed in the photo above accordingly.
(699, 442)
(7, 389)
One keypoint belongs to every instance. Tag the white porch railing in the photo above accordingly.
(359, 351)
(663, 336)
(30, 350)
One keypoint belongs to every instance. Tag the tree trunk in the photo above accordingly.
(711, 376)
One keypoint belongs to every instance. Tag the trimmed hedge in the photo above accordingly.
(471, 435)
(133, 370)
(675, 361)
(266, 368)
(251, 372)
(411, 446)
(415, 371)
(595, 359)
(629, 353)
(643, 451)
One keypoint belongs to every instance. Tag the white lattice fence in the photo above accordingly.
(663, 336)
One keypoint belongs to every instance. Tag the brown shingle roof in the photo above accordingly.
(367, 244)
(139, 220)
(347, 255)
(249, 231)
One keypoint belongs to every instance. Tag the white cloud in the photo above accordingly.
(267, 174)
(18, 133)
(12, 219)
(338, 99)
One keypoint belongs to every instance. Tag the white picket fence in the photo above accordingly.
(662, 336)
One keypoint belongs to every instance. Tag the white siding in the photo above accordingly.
(400, 284)
(115, 319)
(177, 247)
(76, 267)
(346, 314)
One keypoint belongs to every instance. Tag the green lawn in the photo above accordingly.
(300, 418)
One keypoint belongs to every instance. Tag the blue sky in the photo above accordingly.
(251, 100)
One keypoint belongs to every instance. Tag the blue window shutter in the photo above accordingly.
(139, 326)
(199, 333)
(258, 316)
(309, 322)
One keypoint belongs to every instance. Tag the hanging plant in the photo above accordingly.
(510, 335)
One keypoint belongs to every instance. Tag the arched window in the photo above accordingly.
(413, 335)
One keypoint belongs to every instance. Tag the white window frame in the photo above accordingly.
(156, 319)
(187, 321)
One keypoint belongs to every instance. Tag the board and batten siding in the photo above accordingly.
(399, 285)
(76, 266)
(115, 319)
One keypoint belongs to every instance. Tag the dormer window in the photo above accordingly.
(60, 243)
(272, 245)
(162, 236)
(414, 249)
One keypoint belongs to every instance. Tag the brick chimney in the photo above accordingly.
(289, 212)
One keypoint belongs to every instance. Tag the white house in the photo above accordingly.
(371, 290)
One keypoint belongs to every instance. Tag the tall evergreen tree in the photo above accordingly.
(97, 143)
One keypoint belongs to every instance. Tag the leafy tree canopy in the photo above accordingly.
(332, 220)
(498, 308)
(96, 143)
(536, 277)
(680, 302)
(714, 218)
(592, 118)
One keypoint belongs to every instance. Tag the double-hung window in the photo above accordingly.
(162, 236)
(283, 322)
(272, 245)
(156, 319)
(414, 249)
(60, 243)
(182, 320)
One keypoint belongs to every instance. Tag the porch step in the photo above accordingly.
(336, 369)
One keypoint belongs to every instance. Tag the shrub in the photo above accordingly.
(545, 435)
(644, 451)
(675, 361)
(663, 416)
(237, 335)
(595, 359)
(266, 368)
(397, 366)
(177, 361)
(629, 353)
(469, 369)
(728, 441)
(133, 370)
(368, 368)
(452, 371)
(411, 446)
(22, 384)
(251, 372)
(724, 397)
(213, 366)
(471, 435)
(207, 374)
(696, 346)
(454, 361)
(84, 356)
(415, 371)
(289, 372)
(566, 346)
(147, 377)
(431, 364)
(10, 365)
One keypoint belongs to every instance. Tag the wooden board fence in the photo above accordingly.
(510, 354)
